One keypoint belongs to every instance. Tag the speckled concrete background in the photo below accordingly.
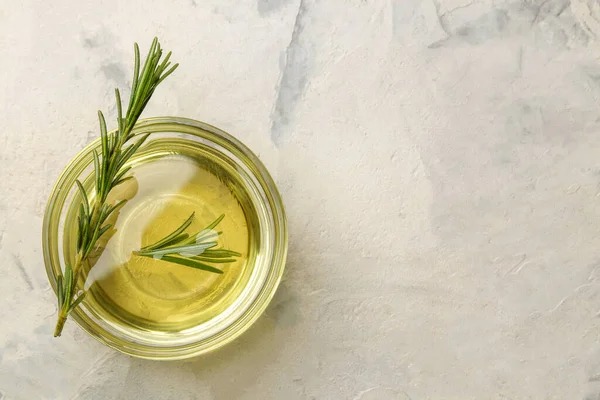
(440, 163)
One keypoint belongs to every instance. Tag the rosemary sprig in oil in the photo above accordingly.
(196, 250)
(110, 171)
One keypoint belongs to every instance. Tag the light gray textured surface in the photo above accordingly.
(440, 164)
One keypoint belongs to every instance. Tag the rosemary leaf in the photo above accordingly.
(120, 174)
(221, 253)
(164, 241)
(85, 203)
(59, 290)
(103, 230)
(77, 301)
(192, 263)
(215, 260)
(119, 110)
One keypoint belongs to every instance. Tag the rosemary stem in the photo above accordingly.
(60, 323)
(109, 171)
(63, 312)
(80, 259)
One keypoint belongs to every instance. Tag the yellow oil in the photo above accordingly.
(155, 295)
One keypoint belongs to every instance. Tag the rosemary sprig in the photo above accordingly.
(110, 171)
(196, 251)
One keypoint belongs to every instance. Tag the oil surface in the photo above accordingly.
(156, 295)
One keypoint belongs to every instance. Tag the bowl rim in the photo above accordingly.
(264, 295)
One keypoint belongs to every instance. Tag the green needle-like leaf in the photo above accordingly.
(104, 229)
(215, 223)
(103, 134)
(120, 174)
(131, 149)
(111, 209)
(59, 290)
(97, 170)
(119, 111)
(176, 240)
(78, 300)
(136, 73)
(191, 263)
(163, 242)
(85, 202)
(206, 232)
(215, 260)
(221, 253)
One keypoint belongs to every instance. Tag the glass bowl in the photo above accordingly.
(265, 265)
